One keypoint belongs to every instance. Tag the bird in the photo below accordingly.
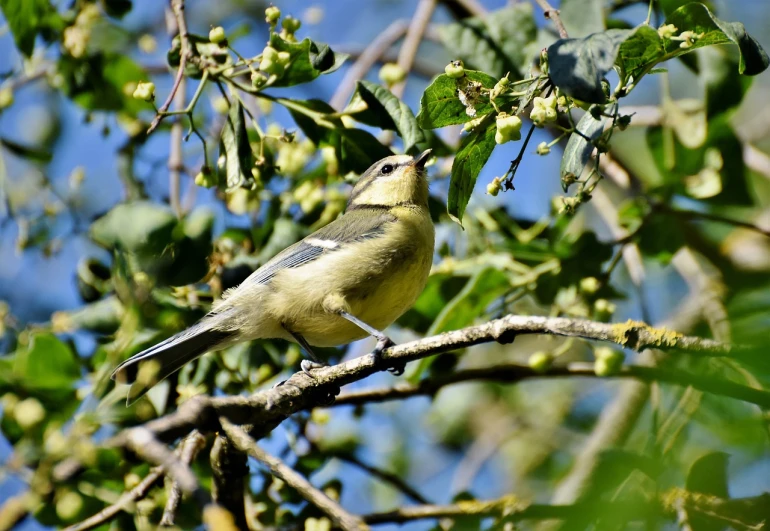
(348, 280)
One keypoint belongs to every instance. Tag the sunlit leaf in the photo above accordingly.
(236, 148)
(440, 105)
(473, 154)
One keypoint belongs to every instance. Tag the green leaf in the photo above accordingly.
(440, 106)
(98, 82)
(138, 227)
(308, 61)
(473, 153)
(26, 152)
(381, 108)
(644, 48)
(234, 145)
(497, 45)
(25, 19)
(582, 17)
(577, 66)
(188, 261)
(117, 8)
(356, 149)
(579, 148)
(696, 17)
(469, 304)
(47, 364)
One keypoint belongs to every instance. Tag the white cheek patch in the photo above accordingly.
(326, 244)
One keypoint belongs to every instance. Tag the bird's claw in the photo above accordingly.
(397, 368)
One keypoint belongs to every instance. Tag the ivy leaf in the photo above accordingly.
(234, 145)
(440, 106)
(577, 66)
(379, 107)
(474, 152)
(579, 148)
(25, 19)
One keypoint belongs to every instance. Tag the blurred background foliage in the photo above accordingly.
(112, 239)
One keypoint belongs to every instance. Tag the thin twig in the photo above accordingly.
(512, 373)
(177, 6)
(366, 60)
(553, 14)
(409, 47)
(279, 469)
(384, 475)
(125, 501)
(191, 445)
(15, 509)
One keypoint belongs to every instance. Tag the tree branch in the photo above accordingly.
(229, 469)
(266, 409)
(411, 43)
(279, 469)
(553, 14)
(191, 445)
(177, 6)
(388, 477)
(512, 373)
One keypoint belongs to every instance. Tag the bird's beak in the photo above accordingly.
(422, 158)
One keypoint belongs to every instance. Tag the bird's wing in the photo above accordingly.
(354, 226)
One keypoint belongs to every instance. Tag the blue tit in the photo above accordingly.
(348, 280)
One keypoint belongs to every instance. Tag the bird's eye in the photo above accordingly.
(388, 168)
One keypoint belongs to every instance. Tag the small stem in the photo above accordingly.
(553, 14)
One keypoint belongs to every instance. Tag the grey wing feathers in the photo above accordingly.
(354, 226)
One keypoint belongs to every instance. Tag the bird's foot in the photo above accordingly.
(396, 368)
(326, 395)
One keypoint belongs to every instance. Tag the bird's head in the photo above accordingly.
(393, 181)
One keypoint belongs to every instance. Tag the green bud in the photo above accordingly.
(494, 187)
(543, 148)
(508, 128)
(590, 285)
(6, 97)
(29, 413)
(392, 73)
(540, 362)
(603, 309)
(258, 79)
(284, 58)
(68, 505)
(272, 14)
(455, 69)
(217, 35)
(291, 24)
(608, 361)
(145, 91)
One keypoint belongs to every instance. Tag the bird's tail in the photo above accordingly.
(169, 356)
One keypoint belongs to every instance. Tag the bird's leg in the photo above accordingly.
(313, 363)
(383, 342)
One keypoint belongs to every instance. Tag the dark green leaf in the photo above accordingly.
(582, 17)
(468, 305)
(579, 148)
(577, 66)
(696, 17)
(359, 150)
(37, 155)
(117, 8)
(440, 106)
(474, 151)
(25, 19)
(381, 108)
(308, 61)
(724, 90)
(98, 82)
(496, 45)
(102, 316)
(139, 227)
(188, 257)
(237, 150)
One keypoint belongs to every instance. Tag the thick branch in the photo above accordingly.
(279, 469)
(268, 408)
(229, 469)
